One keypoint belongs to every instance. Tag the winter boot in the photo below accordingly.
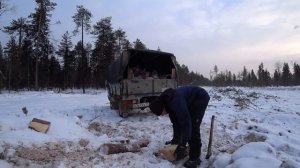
(174, 141)
(192, 163)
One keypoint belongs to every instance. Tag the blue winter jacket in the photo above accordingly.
(183, 109)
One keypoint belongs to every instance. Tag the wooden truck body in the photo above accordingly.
(137, 77)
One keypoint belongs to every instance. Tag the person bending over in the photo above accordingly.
(186, 106)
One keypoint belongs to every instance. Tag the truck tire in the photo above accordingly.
(114, 102)
(123, 109)
(114, 106)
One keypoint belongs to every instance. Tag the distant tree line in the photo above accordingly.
(30, 60)
(187, 77)
(282, 76)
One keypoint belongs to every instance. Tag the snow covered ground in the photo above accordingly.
(254, 127)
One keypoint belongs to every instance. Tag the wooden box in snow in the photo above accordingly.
(39, 125)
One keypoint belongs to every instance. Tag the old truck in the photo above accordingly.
(137, 77)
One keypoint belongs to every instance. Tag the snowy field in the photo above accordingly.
(254, 127)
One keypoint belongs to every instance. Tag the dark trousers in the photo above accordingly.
(197, 111)
(176, 129)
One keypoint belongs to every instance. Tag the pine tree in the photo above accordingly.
(260, 74)
(65, 51)
(253, 78)
(296, 75)
(28, 62)
(138, 44)
(245, 76)
(184, 74)
(220, 79)
(104, 51)
(13, 63)
(82, 20)
(88, 54)
(55, 73)
(216, 70)
(276, 78)
(234, 80)
(121, 42)
(18, 28)
(2, 62)
(264, 78)
(228, 75)
(79, 62)
(267, 78)
(39, 32)
(286, 75)
(2, 68)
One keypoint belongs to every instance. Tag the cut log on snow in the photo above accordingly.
(168, 152)
(39, 125)
(112, 148)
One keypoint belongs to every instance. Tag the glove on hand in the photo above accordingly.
(180, 152)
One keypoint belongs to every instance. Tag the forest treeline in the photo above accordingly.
(32, 60)
(282, 76)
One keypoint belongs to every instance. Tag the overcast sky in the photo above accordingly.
(200, 33)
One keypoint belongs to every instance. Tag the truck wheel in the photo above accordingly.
(114, 106)
(123, 110)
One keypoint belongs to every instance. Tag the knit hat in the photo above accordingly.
(156, 106)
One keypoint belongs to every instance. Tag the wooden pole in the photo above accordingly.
(210, 138)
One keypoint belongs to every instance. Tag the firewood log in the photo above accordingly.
(168, 152)
(113, 148)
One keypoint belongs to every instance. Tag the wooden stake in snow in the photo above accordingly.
(210, 137)
(39, 125)
(112, 148)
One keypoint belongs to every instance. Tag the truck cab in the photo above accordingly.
(137, 77)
